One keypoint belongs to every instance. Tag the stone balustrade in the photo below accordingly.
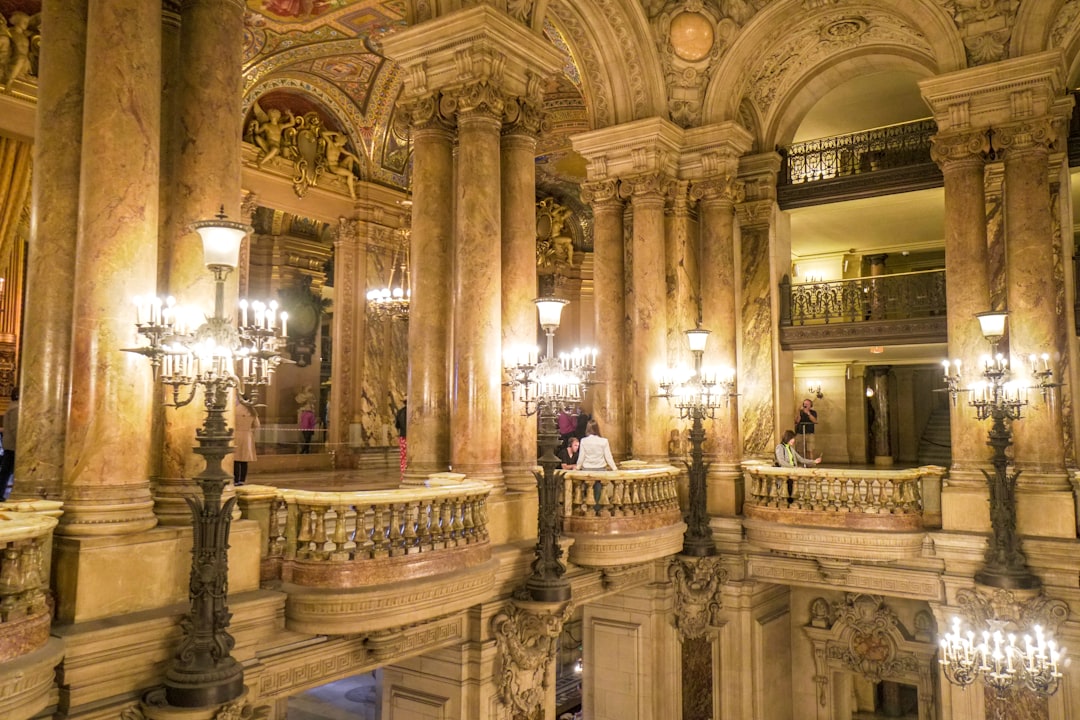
(900, 500)
(25, 549)
(342, 539)
(622, 517)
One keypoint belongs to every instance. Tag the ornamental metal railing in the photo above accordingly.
(884, 148)
(900, 296)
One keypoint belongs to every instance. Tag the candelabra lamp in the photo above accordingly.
(391, 301)
(697, 395)
(545, 385)
(994, 657)
(997, 398)
(220, 356)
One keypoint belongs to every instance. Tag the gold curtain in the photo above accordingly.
(15, 168)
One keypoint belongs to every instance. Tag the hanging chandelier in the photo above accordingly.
(995, 657)
(391, 301)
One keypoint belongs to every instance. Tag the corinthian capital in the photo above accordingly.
(601, 193)
(648, 185)
(719, 189)
(1041, 132)
(522, 116)
(428, 112)
(479, 98)
(952, 147)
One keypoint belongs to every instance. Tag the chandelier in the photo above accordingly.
(391, 301)
(994, 657)
(698, 391)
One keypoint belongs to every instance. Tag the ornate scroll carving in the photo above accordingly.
(698, 584)
(481, 97)
(601, 192)
(985, 26)
(954, 147)
(656, 185)
(979, 608)
(430, 111)
(527, 636)
(1041, 132)
(719, 189)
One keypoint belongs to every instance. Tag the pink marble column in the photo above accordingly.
(476, 421)
(50, 266)
(609, 308)
(719, 315)
(106, 464)
(429, 312)
(205, 175)
(1035, 292)
(648, 317)
(518, 173)
(350, 327)
(962, 164)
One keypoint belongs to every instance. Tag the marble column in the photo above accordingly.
(107, 456)
(880, 429)
(648, 316)
(476, 419)
(960, 156)
(609, 311)
(350, 328)
(430, 252)
(878, 308)
(518, 172)
(50, 266)
(719, 313)
(1035, 291)
(204, 159)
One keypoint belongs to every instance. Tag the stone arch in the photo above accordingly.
(924, 35)
(1034, 25)
(793, 108)
(613, 34)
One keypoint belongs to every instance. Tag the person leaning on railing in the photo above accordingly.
(787, 456)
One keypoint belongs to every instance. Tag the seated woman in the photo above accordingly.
(594, 453)
(786, 455)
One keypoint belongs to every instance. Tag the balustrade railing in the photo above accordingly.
(25, 547)
(626, 493)
(900, 296)
(339, 529)
(811, 492)
(883, 148)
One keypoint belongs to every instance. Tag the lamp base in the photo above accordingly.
(204, 687)
(548, 592)
(1022, 579)
(698, 547)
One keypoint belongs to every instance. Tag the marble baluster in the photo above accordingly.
(206, 177)
(648, 316)
(106, 463)
(1035, 292)
(476, 420)
(50, 266)
(609, 309)
(518, 173)
(718, 310)
(960, 156)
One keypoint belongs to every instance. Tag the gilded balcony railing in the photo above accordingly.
(841, 497)
(900, 296)
(882, 148)
(349, 539)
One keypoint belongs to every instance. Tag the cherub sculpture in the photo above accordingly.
(340, 161)
(18, 44)
(268, 131)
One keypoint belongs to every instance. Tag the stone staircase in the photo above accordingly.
(935, 445)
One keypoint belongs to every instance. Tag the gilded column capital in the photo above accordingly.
(723, 190)
(523, 116)
(527, 637)
(947, 148)
(601, 193)
(477, 98)
(347, 231)
(647, 186)
(1037, 133)
(430, 111)
(249, 203)
(698, 583)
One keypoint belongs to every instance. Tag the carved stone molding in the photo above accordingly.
(985, 26)
(601, 193)
(429, 112)
(648, 186)
(863, 635)
(726, 189)
(980, 607)
(698, 583)
(527, 636)
(1044, 132)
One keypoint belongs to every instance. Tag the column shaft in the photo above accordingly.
(204, 159)
(50, 267)
(648, 320)
(1034, 294)
(429, 313)
(350, 328)
(719, 314)
(107, 455)
(609, 309)
(518, 291)
(476, 437)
